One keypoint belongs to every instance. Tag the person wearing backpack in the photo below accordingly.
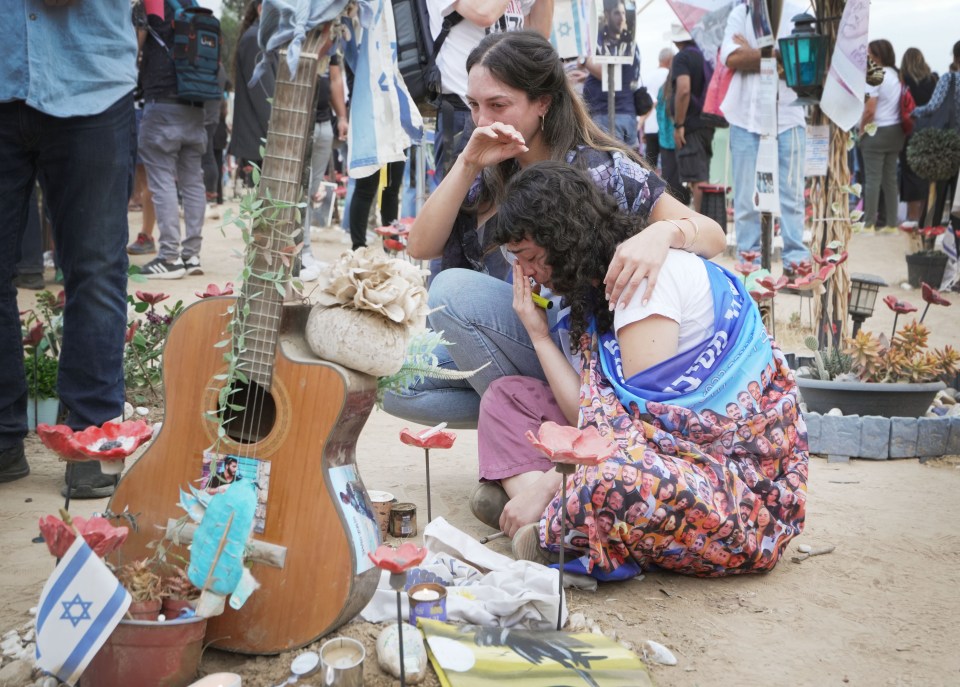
(692, 136)
(172, 144)
(740, 108)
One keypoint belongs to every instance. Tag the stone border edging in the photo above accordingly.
(842, 437)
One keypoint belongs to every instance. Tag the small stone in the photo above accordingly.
(127, 409)
(906, 286)
(946, 398)
(835, 411)
(33, 611)
(804, 548)
(577, 622)
(658, 653)
(48, 681)
(612, 634)
(143, 412)
(16, 674)
(414, 653)
(596, 630)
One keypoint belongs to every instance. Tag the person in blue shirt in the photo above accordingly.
(66, 117)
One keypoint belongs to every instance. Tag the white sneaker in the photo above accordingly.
(307, 259)
(312, 273)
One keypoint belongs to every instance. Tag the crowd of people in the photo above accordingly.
(538, 191)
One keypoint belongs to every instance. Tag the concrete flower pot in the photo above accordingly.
(868, 398)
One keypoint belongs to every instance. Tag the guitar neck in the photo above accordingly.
(272, 252)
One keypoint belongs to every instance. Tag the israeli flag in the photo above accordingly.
(80, 605)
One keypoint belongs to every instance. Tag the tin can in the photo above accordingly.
(427, 600)
(383, 502)
(403, 520)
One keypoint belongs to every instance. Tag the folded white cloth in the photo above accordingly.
(483, 587)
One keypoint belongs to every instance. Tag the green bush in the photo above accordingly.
(934, 154)
(41, 371)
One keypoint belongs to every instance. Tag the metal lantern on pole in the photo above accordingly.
(863, 297)
(804, 54)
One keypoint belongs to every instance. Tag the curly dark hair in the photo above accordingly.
(560, 208)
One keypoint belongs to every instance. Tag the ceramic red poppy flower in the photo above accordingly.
(131, 330)
(931, 295)
(760, 296)
(427, 438)
(112, 441)
(565, 444)
(99, 534)
(34, 336)
(750, 255)
(803, 268)
(746, 268)
(830, 257)
(773, 284)
(212, 291)
(898, 306)
(152, 298)
(398, 560)
(933, 232)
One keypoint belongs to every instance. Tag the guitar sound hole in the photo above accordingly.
(257, 418)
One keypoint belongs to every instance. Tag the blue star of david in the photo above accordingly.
(68, 610)
(564, 29)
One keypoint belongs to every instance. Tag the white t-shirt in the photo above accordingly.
(683, 294)
(653, 82)
(739, 107)
(465, 36)
(888, 98)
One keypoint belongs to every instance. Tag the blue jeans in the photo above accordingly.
(791, 147)
(477, 318)
(85, 171)
(625, 124)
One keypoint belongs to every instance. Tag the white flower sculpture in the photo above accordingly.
(366, 279)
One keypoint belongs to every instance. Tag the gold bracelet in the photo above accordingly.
(680, 229)
(696, 233)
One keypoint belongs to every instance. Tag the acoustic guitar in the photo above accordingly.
(292, 424)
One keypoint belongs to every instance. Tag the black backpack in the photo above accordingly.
(417, 50)
(196, 50)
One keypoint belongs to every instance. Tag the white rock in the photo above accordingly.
(143, 412)
(10, 633)
(906, 286)
(577, 622)
(835, 411)
(28, 636)
(16, 674)
(127, 409)
(596, 630)
(11, 646)
(47, 681)
(954, 411)
(414, 653)
(33, 611)
(804, 548)
(658, 653)
(612, 634)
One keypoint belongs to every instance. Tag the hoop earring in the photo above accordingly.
(542, 117)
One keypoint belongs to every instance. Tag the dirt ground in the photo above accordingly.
(882, 609)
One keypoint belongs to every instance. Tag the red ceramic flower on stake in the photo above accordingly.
(773, 284)
(99, 534)
(152, 298)
(110, 443)
(899, 308)
(397, 561)
(572, 446)
(746, 268)
(212, 291)
(750, 255)
(932, 297)
(435, 437)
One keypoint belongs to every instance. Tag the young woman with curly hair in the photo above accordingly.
(686, 349)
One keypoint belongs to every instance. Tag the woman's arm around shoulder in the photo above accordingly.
(672, 225)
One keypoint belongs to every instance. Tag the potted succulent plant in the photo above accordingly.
(873, 375)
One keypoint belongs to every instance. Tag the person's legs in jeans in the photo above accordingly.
(17, 178)
(30, 266)
(477, 318)
(390, 197)
(746, 219)
(627, 129)
(791, 145)
(319, 161)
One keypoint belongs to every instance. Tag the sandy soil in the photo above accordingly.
(882, 609)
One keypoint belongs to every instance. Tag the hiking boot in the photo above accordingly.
(33, 280)
(13, 463)
(193, 265)
(158, 268)
(526, 546)
(487, 503)
(143, 245)
(87, 482)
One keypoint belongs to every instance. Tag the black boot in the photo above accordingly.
(87, 482)
(13, 463)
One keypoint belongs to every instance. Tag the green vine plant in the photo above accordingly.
(420, 362)
(269, 265)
